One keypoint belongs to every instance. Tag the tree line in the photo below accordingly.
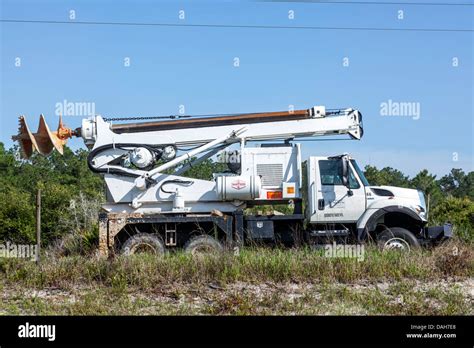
(72, 194)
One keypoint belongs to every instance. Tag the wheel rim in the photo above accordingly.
(203, 249)
(396, 244)
(143, 248)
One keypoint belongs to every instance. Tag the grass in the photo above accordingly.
(256, 281)
(251, 265)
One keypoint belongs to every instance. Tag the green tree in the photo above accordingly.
(386, 176)
(61, 178)
(205, 169)
(16, 215)
(458, 184)
(372, 174)
(426, 182)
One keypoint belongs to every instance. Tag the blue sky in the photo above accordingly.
(193, 66)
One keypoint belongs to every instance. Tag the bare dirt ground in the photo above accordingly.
(446, 297)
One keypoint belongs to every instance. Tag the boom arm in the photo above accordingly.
(195, 131)
(287, 125)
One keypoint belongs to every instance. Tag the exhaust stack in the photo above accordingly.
(43, 141)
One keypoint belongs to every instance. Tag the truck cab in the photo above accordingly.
(341, 202)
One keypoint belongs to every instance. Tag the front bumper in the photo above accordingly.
(438, 233)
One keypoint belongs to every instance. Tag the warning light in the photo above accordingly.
(274, 195)
(290, 190)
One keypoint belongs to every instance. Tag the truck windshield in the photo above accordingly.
(360, 173)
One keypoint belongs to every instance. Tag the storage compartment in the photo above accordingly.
(260, 229)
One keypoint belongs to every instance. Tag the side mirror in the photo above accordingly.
(345, 171)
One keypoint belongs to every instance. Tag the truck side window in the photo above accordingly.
(331, 174)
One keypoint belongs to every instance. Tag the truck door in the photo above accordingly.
(336, 202)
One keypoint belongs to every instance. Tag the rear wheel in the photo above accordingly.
(397, 238)
(143, 243)
(203, 245)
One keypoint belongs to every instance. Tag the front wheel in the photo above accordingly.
(397, 238)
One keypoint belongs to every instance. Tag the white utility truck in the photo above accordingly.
(151, 204)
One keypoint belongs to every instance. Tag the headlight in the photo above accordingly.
(419, 209)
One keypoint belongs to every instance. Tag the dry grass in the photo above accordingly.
(251, 265)
(384, 283)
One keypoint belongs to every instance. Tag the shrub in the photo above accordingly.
(458, 211)
(16, 216)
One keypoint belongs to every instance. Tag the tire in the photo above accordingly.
(143, 243)
(397, 238)
(203, 245)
